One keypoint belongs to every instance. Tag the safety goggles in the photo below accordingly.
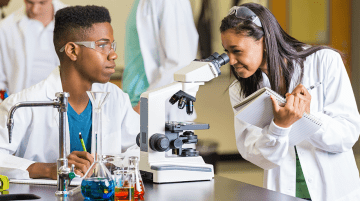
(102, 46)
(245, 13)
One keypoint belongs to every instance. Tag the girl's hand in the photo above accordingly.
(297, 103)
(301, 92)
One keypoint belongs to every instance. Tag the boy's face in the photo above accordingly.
(93, 65)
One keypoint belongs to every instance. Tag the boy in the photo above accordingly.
(84, 66)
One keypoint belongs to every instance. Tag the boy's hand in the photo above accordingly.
(43, 170)
(82, 161)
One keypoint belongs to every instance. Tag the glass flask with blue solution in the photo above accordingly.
(97, 183)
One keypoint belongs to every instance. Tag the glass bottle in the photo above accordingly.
(136, 179)
(97, 182)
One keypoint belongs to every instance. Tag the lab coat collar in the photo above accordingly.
(53, 85)
(53, 82)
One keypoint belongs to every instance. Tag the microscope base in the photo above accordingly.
(169, 173)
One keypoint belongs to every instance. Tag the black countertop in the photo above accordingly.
(218, 189)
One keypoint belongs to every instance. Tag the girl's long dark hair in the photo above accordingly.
(283, 52)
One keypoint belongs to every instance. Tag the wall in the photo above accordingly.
(355, 56)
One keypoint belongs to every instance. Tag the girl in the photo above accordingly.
(322, 166)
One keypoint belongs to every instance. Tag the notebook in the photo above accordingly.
(257, 110)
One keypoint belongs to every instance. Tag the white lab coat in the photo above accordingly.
(326, 157)
(17, 49)
(168, 41)
(35, 135)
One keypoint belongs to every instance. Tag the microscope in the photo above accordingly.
(164, 157)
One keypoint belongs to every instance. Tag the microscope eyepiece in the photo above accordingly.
(214, 56)
(223, 59)
(217, 60)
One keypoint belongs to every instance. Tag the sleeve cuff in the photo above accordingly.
(277, 130)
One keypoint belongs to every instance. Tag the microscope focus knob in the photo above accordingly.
(176, 144)
(159, 142)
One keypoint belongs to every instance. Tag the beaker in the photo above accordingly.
(97, 182)
(134, 174)
(124, 187)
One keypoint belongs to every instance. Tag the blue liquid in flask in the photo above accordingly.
(97, 188)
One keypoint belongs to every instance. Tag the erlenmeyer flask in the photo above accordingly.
(135, 175)
(97, 183)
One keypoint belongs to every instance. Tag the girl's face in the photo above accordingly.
(245, 53)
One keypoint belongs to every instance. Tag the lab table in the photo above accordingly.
(218, 189)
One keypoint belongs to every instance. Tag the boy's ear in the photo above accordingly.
(72, 50)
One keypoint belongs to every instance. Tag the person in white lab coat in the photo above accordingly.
(34, 148)
(27, 53)
(322, 167)
(161, 38)
(2, 4)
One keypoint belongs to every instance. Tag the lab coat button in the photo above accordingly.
(310, 180)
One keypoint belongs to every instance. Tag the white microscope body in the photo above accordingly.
(156, 163)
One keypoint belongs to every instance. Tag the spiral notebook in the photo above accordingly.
(257, 110)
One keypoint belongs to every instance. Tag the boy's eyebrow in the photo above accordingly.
(104, 39)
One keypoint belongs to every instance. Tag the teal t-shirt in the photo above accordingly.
(134, 76)
(80, 123)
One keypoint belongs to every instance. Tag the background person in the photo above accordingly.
(34, 148)
(161, 38)
(2, 4)
(27, 53)
(262, 54)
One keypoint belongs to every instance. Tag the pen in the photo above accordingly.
(314, 86)
(82, 142)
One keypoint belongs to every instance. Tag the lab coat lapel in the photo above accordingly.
(29, 45)
(53, 83)
(25, 45)
(144, 23)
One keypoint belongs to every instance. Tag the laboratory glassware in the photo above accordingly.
(134, 174)
(124, 187)
(97, 183)
(114, 162)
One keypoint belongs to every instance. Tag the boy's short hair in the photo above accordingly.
(72, 23)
